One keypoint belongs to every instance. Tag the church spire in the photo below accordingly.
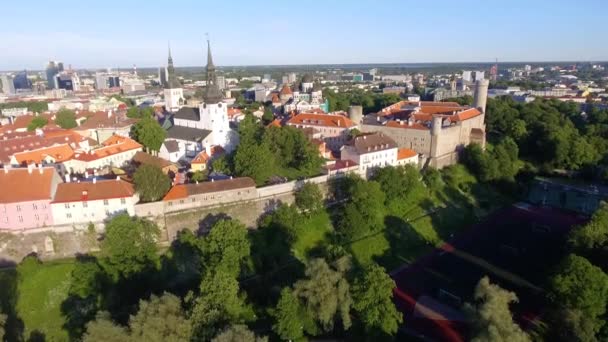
(212, 93)
(172, 81)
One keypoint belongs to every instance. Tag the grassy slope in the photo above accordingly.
(41, 292)
(433, 218)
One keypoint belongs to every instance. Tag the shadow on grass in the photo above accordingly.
(9, 293)
(405, 243)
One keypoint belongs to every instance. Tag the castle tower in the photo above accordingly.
(481, 94)
(213, 112)
(173, 92)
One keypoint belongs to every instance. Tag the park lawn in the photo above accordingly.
(42, 290)
(315, 230)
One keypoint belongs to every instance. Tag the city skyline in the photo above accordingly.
(116, 34)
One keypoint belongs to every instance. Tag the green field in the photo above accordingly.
(41, 290)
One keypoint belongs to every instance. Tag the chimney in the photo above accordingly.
(67, 177)
(94, 180)
(5, 167)
(212, 180)
(109, 113)
(117, 178)
(40, 168)
(30, 167)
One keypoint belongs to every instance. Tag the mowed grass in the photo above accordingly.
(434, 218)
(314, 232)
(42, 289)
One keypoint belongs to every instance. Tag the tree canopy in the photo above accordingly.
(326, 293)
(238, 333)
(492, 319)
(309, 197)
(149, 133)
(364, 212)
(66, 118)
(37, 122)
(129, 245)
(579, 285)
(373, 300)
(151, 183)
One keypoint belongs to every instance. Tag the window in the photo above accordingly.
(123, 201)
(193, 199)
(37, 217)
(20, 218)
(18, 208)
(105, 202)
(107, 212)
(68, 215)
(35, 206)
(85, 205)
(181, 201)
(170, 203)
(67, 205)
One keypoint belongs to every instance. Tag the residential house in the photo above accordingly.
(92, 201)
(25, 197)
(170, 151)
(333, 129)
(187, 196)
(370, 151)
(143, 158)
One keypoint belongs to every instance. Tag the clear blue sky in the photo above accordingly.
(110, 33)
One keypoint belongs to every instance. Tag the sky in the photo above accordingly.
(111, 33)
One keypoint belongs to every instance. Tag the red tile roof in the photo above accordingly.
(404, 153)
(18, 185)
(185, 190)
(113, 145)
(89, 191)
(404, 124)
(59, 154)
(326, 120)
(286, 90)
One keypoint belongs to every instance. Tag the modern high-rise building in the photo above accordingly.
(291, 77)
(6, 82)
(52, 69)
(21, 81)
(221, 82)
(480, 75)
(467, 75)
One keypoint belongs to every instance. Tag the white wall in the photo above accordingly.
(91, 211)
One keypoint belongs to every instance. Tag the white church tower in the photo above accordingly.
(213, 111)
(173, 92)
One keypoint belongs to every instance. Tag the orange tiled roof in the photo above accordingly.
(89, 191)
(286, 90)
(326, 120)
(201, 158)
(18, 185)
(465, 115)
(113, 145)
(176, 192)
(59, 153)
(404, 153)
(275, 123)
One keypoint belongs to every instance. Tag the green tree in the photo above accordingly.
(37, 122)
(66, 119)
(151, 183)
(580, 285)
(160, 319)
(219, 304)
(309, 198)
(238, 333)
(326, 292)
(268, 115)
(149, 133)
(140, 113)
(372, 299)
(222, 165)
(401, 185)
(290, 317)
(593, 235)
(129, 245)
(227, 247)
(364, 213)
(103, 329)
(199, 176)
(491, 315)
(255, 161)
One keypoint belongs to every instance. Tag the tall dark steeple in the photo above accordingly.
(212, 92)
(172, 82)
